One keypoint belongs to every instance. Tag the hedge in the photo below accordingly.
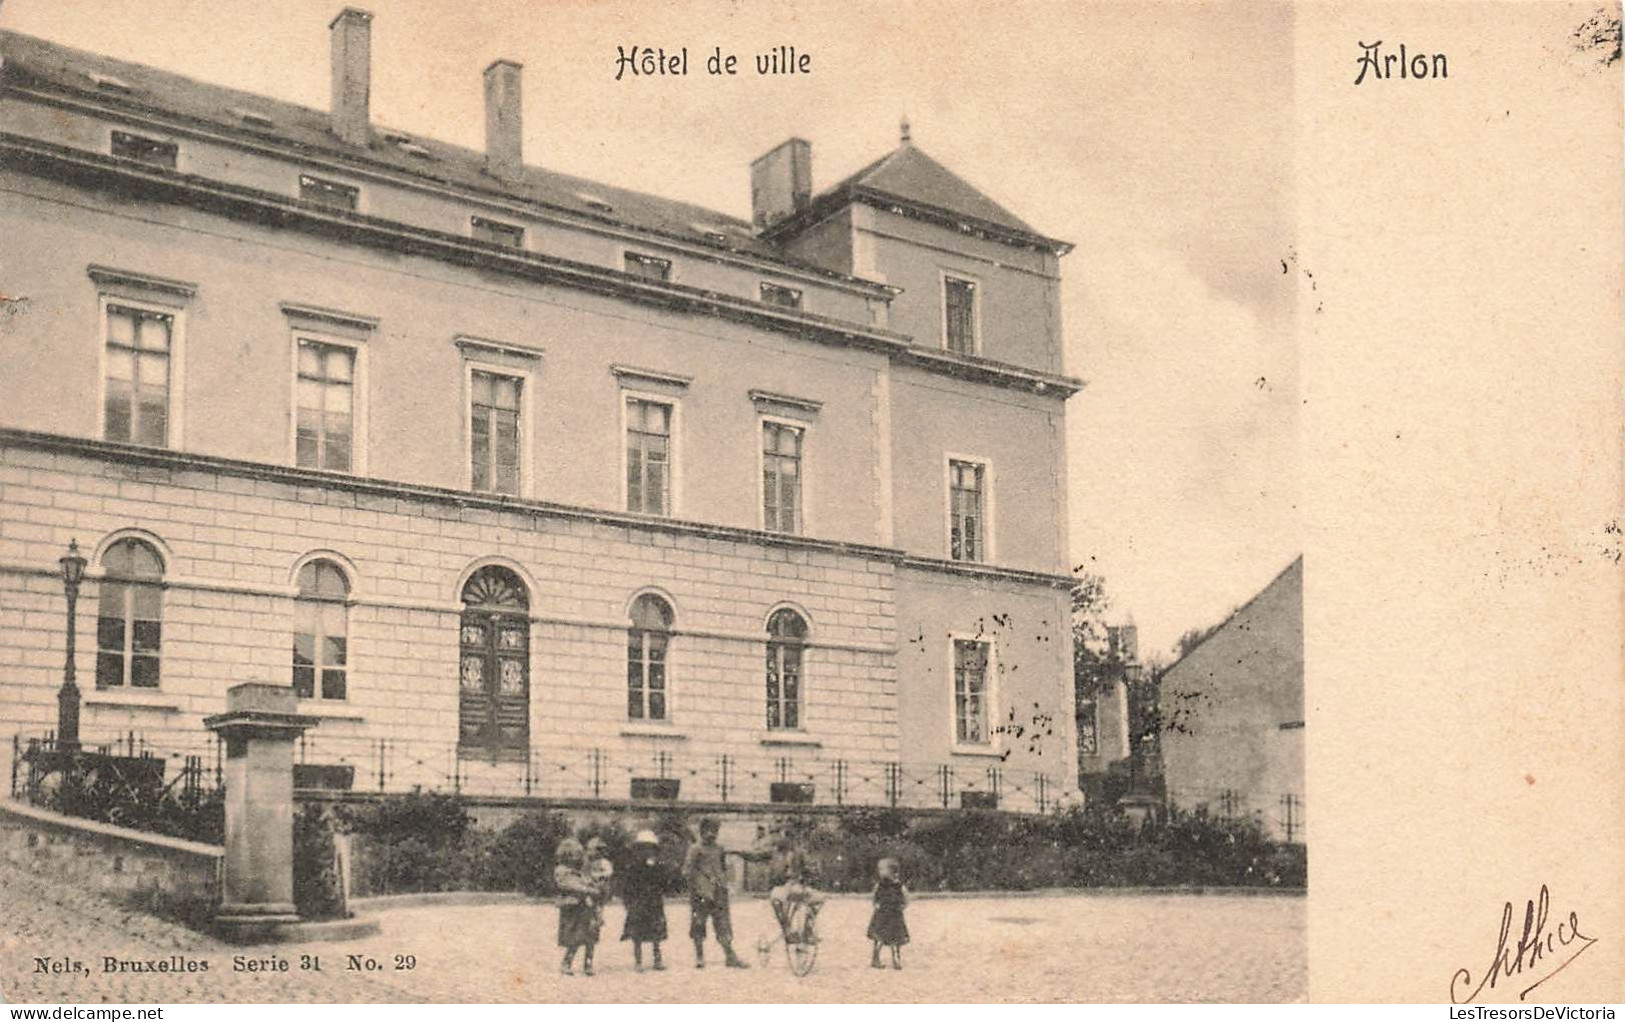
(424, 842)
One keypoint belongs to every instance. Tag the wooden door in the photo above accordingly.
(494, 685)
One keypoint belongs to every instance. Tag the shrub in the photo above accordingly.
(317, 886)
(521, 855)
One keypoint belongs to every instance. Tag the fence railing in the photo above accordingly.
(124, 780)
(595, 773)
(1283, 814)
(393, 765)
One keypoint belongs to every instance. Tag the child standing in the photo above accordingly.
(705, 871)
(578, 905)
(602, 873)
(643, 888)
(887, 927)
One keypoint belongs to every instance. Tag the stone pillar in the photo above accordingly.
(259, 728)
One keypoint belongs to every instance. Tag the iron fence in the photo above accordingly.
(597, 774)
(193, 764)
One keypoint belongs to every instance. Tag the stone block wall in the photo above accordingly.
(161, 874)
(232, 537)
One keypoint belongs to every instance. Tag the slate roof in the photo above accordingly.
(27, 60)
(907, 177)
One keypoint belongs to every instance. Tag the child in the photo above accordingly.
(602, 873)
(643, 888)
(578, 905)
(706, 873)
(792, 878)
(886, 926)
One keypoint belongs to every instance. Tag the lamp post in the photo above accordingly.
(67, 697)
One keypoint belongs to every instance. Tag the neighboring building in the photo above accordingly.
(1239, 752)
(526, 483)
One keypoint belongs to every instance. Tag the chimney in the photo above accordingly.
(504, 121)
(352, 74)
(781, 182)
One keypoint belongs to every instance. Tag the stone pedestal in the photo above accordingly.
(259, 727)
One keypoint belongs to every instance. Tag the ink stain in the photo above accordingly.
(1599, 37)
(1529, 778)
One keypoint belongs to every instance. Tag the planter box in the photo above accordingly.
(794, 792)
(978, 800)
(324, 776)
(655, 788)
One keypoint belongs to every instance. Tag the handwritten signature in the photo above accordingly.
(1537, 946)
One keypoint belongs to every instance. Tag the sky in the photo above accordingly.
(1156, 137)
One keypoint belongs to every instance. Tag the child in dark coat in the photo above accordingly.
(643, 887)
(887, 928)
(578, 906)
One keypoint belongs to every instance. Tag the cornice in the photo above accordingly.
(162, 458)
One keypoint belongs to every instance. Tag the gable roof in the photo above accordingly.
(908, 178)
(1291, 575)
(27, 61)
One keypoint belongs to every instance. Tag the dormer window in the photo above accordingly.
(405, 144)
(711, 232)
(144, 150)
(252, 118)
(495, 232)
(648, 267)
(108, 82)
(778, 294)
(328, 193)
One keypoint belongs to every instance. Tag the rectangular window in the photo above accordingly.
(494, 438)
(967, 516)
(328, 193)
(144, 150)
(648, 456)
(648, 267)
(970, 692)
(781, 477)
(776, 294)
(783, 686)
(129, 627)
(959, 315)
(324, 432)
(497, 233)
(645, 675)
(319, 650)
(136, 404)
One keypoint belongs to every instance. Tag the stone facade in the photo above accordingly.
(219, 237)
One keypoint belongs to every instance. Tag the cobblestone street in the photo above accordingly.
(1058, 948)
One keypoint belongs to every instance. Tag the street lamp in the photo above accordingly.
(67, 698)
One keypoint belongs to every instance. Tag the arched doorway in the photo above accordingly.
(494, 685)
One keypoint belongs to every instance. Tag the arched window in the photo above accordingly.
(129, 616)
(321, 632)
(646, 645)
(786, 635)
(494, 685)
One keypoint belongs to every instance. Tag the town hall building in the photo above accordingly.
(526, 484)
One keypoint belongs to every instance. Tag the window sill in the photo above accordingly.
(652, 731)
(791, 738)
(329, 710)
(985, 752)
(158, 702)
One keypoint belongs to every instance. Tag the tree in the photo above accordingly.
(1190, 638)
(1091, 659)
